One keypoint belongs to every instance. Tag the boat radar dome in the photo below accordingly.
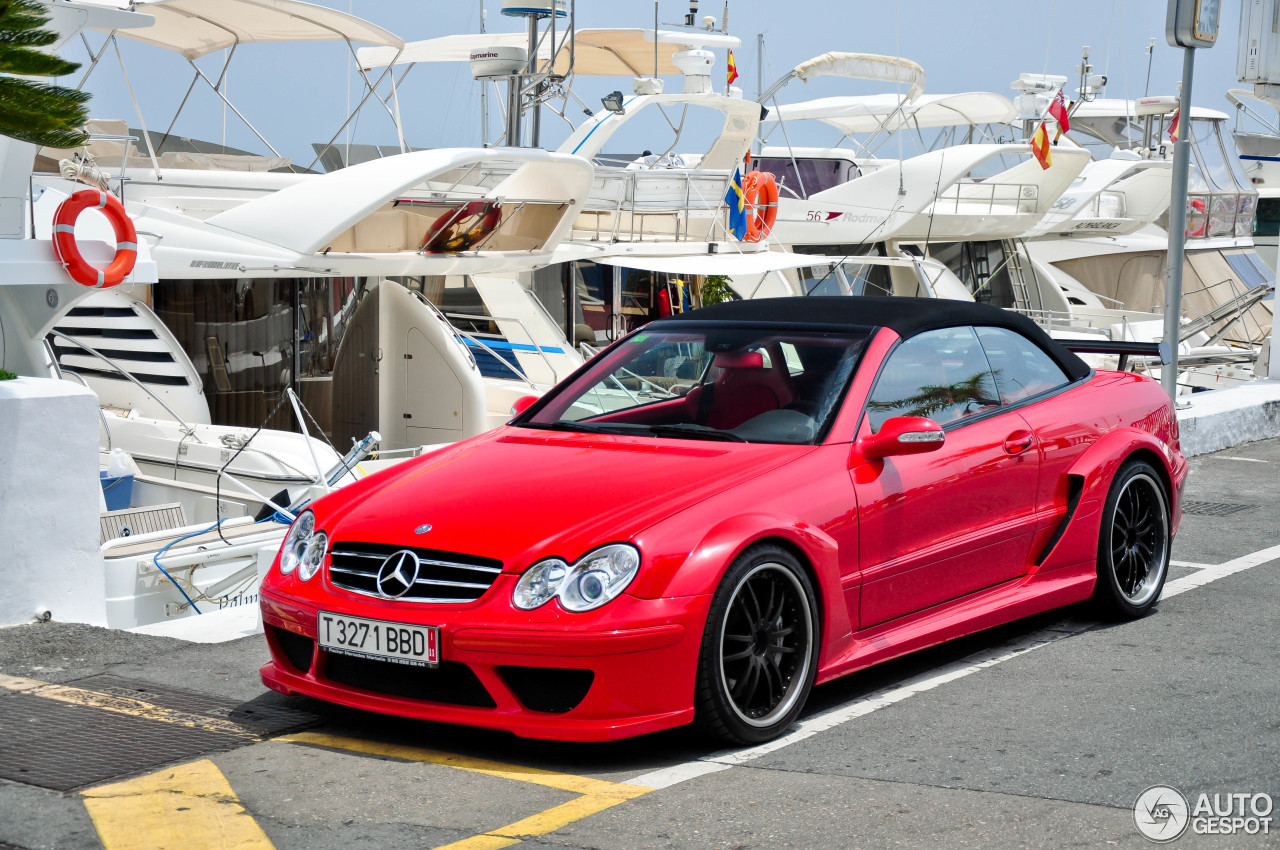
(696, 65)
(498, 61)
(1037, 90)
(534, 8)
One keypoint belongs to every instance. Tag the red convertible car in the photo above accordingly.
(725, 507)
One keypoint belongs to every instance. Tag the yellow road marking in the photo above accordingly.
(520, 773)
(597, 794)
(189, 807)
(122, 705)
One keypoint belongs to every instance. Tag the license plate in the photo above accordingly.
(401, 643)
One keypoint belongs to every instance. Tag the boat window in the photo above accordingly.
(941, 375)
(250, 339)
(1268, 220)
(732, 384)
(803, 177)
(1207, 144)
(1021, 368)
(983, 267)
(1249, 268)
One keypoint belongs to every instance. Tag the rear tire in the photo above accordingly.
(1134, 543)
(759, 650)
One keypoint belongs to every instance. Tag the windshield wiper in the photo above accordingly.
(697, 432)
(584, 427)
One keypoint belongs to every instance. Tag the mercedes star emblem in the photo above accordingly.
(397, 574)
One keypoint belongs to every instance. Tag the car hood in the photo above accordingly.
(519, 495)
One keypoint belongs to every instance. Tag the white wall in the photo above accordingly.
(49, 491)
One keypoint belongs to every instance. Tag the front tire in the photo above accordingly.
(759, 651)
(1134, 544)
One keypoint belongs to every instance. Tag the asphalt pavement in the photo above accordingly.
(1038, 734)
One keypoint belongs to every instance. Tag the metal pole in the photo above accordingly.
(484, 93)
(1177, 226)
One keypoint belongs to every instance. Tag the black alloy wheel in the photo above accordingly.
(1135, 542)
(759, 651)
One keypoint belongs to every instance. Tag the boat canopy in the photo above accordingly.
(597, 52)
(891, 112)
(865, 66)
(195, 28)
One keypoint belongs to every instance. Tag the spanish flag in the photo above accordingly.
(733, 69)
(1040, 147)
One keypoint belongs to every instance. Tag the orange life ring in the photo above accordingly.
(64, 239)
(461, 227)
(760, 192)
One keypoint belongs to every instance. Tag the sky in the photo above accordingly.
(296, 95)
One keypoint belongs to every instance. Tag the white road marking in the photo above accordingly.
(1190, 565)
(1246, 459)
(1217, 571)
(810, 726)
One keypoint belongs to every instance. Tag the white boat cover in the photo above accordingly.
(865, 66)
(891, 112)
(1113, 107)
(195, 28)
(597, 52)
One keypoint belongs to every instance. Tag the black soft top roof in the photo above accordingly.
(905, 316)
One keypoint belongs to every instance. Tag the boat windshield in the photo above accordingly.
(734, 384)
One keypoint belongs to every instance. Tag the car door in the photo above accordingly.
(934, 527)
(1028, 379)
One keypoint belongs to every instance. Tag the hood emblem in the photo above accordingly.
(422, 529)
(397, 574)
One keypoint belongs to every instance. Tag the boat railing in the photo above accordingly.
(1227, 312)
(87, 170)
(623, 201)
(988, 198)
(1062, 320)
(106, 428)
(477, 340)
(127, 376)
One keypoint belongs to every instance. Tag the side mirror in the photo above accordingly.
(522, 404)
(901, 435)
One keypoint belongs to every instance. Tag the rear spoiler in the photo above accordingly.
(1158, 350)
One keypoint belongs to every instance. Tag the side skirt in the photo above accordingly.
(995, 606)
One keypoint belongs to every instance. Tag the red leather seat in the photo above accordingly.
(744, 389)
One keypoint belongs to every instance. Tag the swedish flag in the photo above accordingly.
(737, 204)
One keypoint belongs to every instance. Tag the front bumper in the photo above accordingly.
(627, 669)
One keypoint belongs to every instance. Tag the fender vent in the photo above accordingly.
(1075, 487)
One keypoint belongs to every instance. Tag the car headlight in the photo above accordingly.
(303, 548)
(540, 584)
(594, 580)
(313, 556)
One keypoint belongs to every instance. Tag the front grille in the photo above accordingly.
(452, 682)
(442, 576)
(548, 689)
(297, 648)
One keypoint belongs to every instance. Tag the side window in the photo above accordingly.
(942, 375)
(1022, 369)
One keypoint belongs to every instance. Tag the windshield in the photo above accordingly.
(723, 383)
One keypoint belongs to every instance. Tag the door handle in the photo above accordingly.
(1018, 442)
